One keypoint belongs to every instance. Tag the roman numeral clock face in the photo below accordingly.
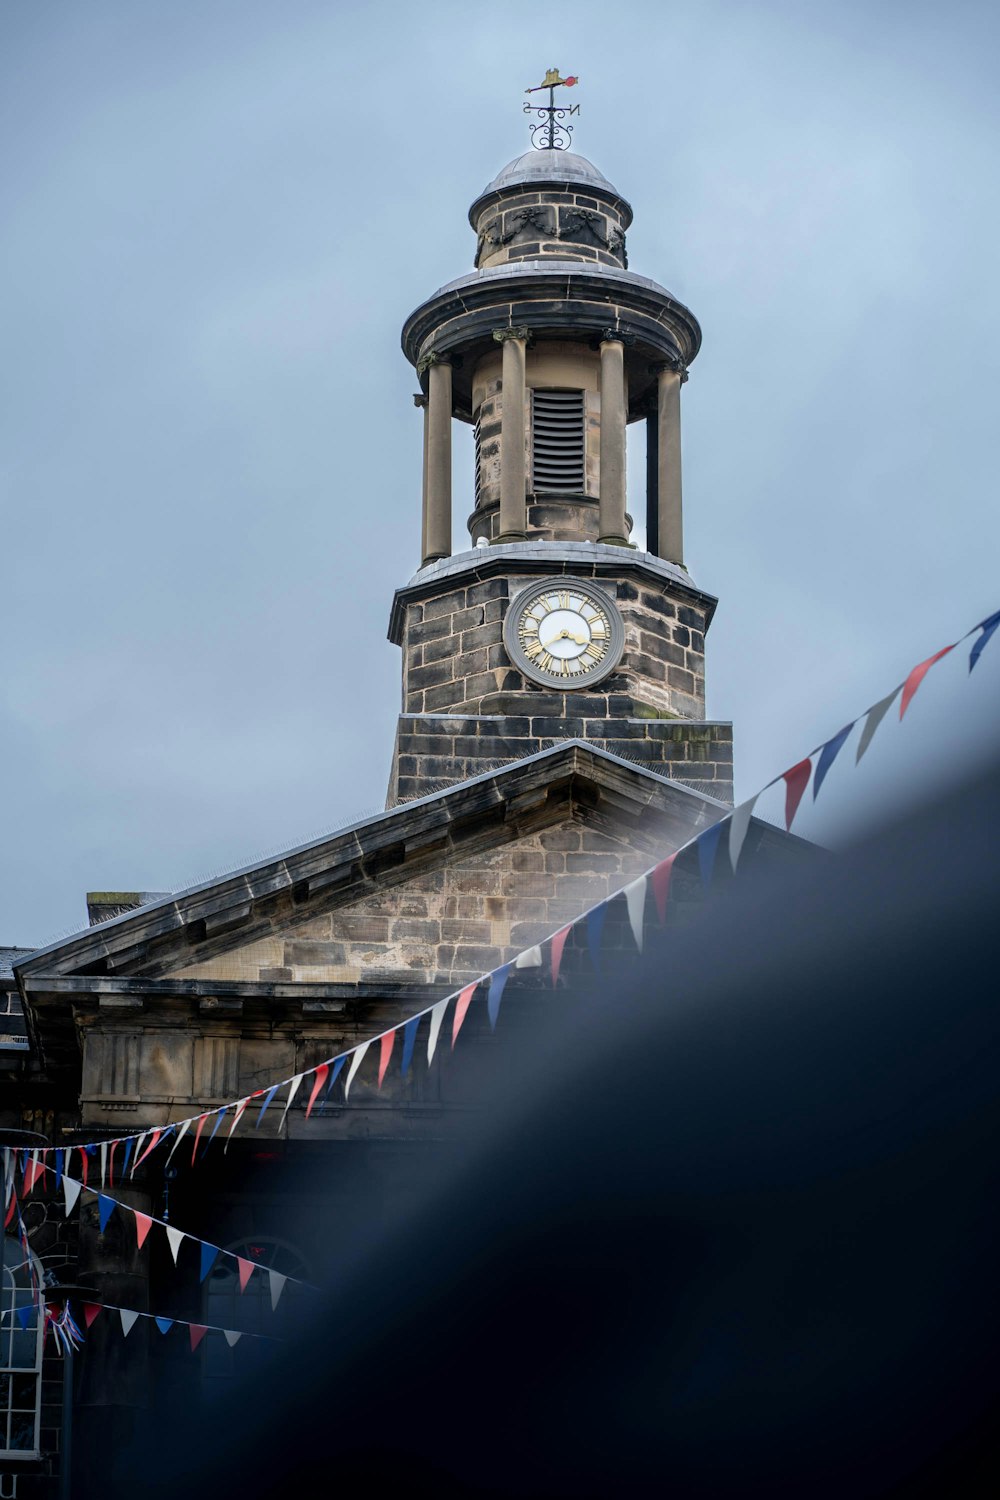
(564, 632)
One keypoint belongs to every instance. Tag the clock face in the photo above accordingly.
(564, 632)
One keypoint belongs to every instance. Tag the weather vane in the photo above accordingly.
(552, 133)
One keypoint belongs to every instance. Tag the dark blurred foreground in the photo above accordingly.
(727, 1226)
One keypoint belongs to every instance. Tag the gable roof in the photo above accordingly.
(488, 806)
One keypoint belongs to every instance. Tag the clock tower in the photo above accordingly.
(550, 623)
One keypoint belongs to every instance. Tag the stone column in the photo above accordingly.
(513, 485)
(653, 476)
(437, 458)
(420, 400)
(670, 526)
(612, 510)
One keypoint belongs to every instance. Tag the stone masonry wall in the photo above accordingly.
(437, 750)
(452, 923)
(454, 658)
(572, 225)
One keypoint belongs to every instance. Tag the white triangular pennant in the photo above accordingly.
(277, 1287)
(181, 1133)
(237, 1117)
(138, 1152)
(128, 1320)
(531, 958)
(175, 1238)
(104, 1161)
(437, 1016)
(356, 1061)
(72, 1190)
(232, 1337)
(739, 824)
(635, 900)
(293, 1089)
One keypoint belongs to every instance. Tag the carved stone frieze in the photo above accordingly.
(532, 221)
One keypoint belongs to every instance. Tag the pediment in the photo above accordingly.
(413, 902)
(289, 899)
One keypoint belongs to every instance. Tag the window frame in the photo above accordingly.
(13, 1262)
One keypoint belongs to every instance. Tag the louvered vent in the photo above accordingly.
(557, 427)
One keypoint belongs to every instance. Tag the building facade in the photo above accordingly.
(552, 746)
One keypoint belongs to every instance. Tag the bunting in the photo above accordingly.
(917, 676)
(62, 1323)
(828, 755)
(461, 1006)
(739, 827)
(635, 905)
(796, 780)
(139, 1146)
(497, 981)
(107, 1206)
(437, 1016)
(387, 1042)
(708, 847)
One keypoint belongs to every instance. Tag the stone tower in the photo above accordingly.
(550, 623)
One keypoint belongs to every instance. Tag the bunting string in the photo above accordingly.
(814, 767)
(208, 1253)
(69, 1336)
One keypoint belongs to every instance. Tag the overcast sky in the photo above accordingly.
(216, 215)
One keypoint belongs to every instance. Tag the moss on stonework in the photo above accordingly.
(644, 711)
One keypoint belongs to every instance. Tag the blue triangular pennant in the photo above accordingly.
(497, 981)
(209, 1255)
(987, 627)
(129, 1148)
(267, 1099)
(105, 1208)
(164, 1324)
(60, 1163)
(828, 755)
(24, 1316)
(338, 1063)
(595, 927)
(708, 844)
(218, 1121)
(409, 1040)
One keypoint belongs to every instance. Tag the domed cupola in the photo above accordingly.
(550, 202)
(549, 349)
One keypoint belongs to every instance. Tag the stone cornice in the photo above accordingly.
(540, 558)
(557, 299)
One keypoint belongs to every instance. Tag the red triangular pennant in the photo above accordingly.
(461, 1006)
(385, 1052)
(796, 780)
(558, 944)
(154, 1142)
(246, 1271)
(90, 1311)
(321, 1076)
(917, 676)
(660, 881)
(143, 1224)
(198, 1332)
(197, 1136)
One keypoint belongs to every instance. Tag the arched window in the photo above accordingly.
(225, 1306)
(20, 1354)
